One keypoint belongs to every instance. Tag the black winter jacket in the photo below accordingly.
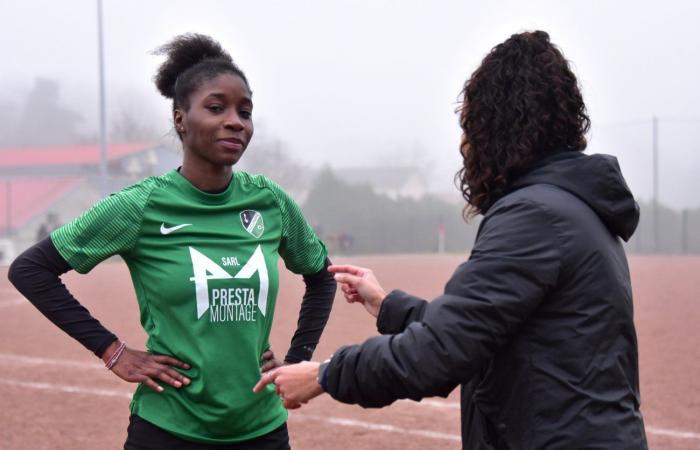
(536, 326)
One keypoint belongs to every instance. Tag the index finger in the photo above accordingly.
(267, 378)
(350, 280)
(347, 268)
(170, 361)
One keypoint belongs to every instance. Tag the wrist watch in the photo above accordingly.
(322, 377)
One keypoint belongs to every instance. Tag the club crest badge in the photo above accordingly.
(253, 222)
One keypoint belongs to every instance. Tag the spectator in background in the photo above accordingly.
(47, 226)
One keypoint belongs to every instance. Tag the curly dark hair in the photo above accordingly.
(191, 60)
(521, 104)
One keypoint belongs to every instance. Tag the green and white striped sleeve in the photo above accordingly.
(110, 227)
(302, 251)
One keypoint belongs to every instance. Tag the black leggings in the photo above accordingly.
(143, 435)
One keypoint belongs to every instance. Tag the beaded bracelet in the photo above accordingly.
(115, 356)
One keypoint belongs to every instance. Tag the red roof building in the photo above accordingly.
(33, 180)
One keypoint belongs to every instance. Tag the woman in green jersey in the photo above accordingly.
(201, 243)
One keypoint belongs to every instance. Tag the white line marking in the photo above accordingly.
(66, 388)
(434, 403)
(673, 433)
(377, 426)
(334, 420)
(35, 361)
(649, 430)
(13, 302)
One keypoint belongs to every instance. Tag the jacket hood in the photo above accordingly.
(595, 179)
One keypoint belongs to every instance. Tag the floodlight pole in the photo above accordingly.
(103, 113)
(655, 180)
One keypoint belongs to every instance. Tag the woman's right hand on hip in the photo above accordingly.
(146, 368)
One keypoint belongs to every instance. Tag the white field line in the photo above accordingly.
(434, 403)
(673, 433)
(30, 360)
(375, 426)
(13, 302)
(332, 420)
(66, 388)
(649, 430)
(35, 361)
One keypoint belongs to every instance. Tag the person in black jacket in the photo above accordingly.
(537, 326)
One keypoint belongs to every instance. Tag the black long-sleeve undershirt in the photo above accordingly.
(36, 274)
(313, 315)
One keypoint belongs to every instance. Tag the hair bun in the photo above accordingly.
(183, 52)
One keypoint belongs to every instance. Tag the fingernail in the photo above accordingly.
(186, 380)
(178, 384)
(160, 389)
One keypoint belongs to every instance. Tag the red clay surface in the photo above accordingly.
(55, 395)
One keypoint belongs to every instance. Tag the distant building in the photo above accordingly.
(394, 182)
(40, 188)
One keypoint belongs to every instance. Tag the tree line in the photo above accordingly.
(355, 219)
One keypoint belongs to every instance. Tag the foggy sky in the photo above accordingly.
(350, 83)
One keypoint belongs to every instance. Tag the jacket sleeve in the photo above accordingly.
(398, 310)
(514, 263)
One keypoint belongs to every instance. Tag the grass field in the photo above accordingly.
(56, 395)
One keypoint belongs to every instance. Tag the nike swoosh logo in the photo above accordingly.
(168, 230)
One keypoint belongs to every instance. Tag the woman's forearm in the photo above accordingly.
(313, 315)
(36, 274)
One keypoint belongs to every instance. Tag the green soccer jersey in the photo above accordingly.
(204, 267)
